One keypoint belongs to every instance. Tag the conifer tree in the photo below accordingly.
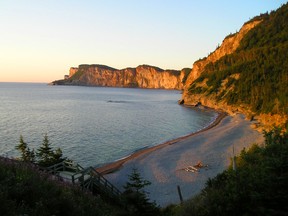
(22, 147)
(135, 197)
(46, 155)
(26, 154)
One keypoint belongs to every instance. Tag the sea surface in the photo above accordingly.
(93, 125)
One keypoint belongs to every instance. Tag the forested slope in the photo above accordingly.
(255, 76)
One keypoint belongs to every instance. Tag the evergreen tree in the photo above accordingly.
(22, 147)
(135, 197)
(26, 154)
(46, 155)
(259, 186)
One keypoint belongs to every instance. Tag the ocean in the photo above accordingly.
(93, 125)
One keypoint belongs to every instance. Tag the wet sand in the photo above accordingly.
(164, 165)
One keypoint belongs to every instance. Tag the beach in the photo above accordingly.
(164, 165)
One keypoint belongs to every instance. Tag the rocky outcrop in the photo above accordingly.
(72, 71)
(143, 76)
(228, 46)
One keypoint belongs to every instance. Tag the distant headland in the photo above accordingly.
(246, 74)
(143, 76)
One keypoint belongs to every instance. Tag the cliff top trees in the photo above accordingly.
(260, 64)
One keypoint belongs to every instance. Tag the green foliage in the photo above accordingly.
(77, 75)
(135, 198)
(45, 155)
(261, 61)
(27, 155)
(259, 185)
(24, 190)
(186, 74)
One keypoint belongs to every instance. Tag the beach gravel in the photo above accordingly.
(165, 167)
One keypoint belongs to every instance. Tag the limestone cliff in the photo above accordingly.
(143, 76)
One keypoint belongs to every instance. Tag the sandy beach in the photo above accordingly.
(164, 165)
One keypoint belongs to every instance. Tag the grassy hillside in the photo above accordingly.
(256, 75)
(24, 190)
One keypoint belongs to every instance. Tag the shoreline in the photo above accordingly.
(167, 166)
(117, 165)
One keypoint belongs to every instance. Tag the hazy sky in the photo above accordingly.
(41, 39)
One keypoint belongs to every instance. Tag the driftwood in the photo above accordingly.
(195, 168)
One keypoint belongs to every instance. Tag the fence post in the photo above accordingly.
(180, 194)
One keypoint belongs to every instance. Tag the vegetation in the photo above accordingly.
(260, 61)
(24, 190)
(15, 176)
(77, 75)
(186, 74)
(258, 186)
(45, 156)
(135, 197)
(27, 155)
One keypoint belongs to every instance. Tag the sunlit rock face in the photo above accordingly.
(228, 46)
(72, 71)
(143, 76)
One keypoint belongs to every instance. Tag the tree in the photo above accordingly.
(46, 155)
(26, 154)
(135, 197)
(259, 186)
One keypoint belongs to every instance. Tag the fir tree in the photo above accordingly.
(135, 197)
(46, 155)
(22, 147)
(26, 154)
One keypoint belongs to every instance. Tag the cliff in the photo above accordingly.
(228, 46)
(247, 73)
(143, 76)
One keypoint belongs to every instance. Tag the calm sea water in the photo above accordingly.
(93, 125)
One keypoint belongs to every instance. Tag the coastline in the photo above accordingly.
(165, 165)
(116, 165)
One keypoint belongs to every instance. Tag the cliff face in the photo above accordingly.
(247, 73)
(143, 76)
(72, 71)
(228, 46)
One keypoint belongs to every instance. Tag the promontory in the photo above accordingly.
(143, 76)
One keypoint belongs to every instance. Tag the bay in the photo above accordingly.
(93, 125)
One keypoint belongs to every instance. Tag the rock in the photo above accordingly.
(143, 76)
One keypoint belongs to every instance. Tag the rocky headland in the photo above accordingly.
(143, 76)
(245, 74)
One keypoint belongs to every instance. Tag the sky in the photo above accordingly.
(41, 39)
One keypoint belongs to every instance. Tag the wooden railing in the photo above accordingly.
(88, 178)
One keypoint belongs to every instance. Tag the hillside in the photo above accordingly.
(143, 76)
(25, 190)
(248, 73)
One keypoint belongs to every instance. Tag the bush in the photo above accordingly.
(24, 190)
(258, 186)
